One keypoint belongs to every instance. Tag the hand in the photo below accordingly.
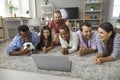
(97, 60)
(82, 50)
(44, 49)
(65, 51)
(24, 51)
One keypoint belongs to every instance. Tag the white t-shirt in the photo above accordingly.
(73, 42)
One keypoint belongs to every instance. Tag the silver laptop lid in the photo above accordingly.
(48, 62)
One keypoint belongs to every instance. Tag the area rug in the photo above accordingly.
(83, 67)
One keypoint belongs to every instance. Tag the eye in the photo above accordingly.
(101, 32)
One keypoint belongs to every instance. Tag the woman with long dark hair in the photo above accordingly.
(46, 42)
(108, 43)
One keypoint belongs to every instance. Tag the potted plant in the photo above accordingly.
(46, 1)
(92, 7)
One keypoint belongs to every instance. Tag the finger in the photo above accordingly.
(80, 48)
(94, 59)
(98, 61)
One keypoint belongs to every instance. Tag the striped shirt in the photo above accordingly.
(116, 46)
(91, 42)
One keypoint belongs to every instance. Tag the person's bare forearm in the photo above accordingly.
(106, 59)
(20, 52)
(14, 53)
(99, 55)
(89, 50)
(50, 47)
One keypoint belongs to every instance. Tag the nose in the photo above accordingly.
(89, 33)
(26, 39)
(46, 34)
(63, 36)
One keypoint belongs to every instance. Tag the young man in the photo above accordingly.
(16, 46)
(55, 26)
(87, 39)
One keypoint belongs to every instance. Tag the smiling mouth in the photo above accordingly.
(101, 38)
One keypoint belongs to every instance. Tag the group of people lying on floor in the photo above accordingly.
(104, 42)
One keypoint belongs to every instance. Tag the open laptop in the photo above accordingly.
(48, 62)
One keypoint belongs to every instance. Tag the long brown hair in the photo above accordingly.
(108, 27)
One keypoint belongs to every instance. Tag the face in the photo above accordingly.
(25, 36)
(103, 34)
(64, 35)
(46, 33)
(57, 17)
(86, 32)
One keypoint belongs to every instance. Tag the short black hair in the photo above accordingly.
(65, 27)
(85, 24)
(23, 28)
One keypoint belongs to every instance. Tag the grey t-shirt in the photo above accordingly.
(116, 46)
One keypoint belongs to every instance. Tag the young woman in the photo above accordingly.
(46, 42)
(68, 40)
(108, 43)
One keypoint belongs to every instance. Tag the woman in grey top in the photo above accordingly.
(108, 43)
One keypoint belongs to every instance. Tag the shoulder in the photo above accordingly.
(117, 38)
(52, 21)
(73, 34)
(94, 34)
(98, 38)
(17, 37)
(64, 20)
(34, 34)
(78, 32)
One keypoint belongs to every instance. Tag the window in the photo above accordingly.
(116, 8)
(2, 8)
(21, 8)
